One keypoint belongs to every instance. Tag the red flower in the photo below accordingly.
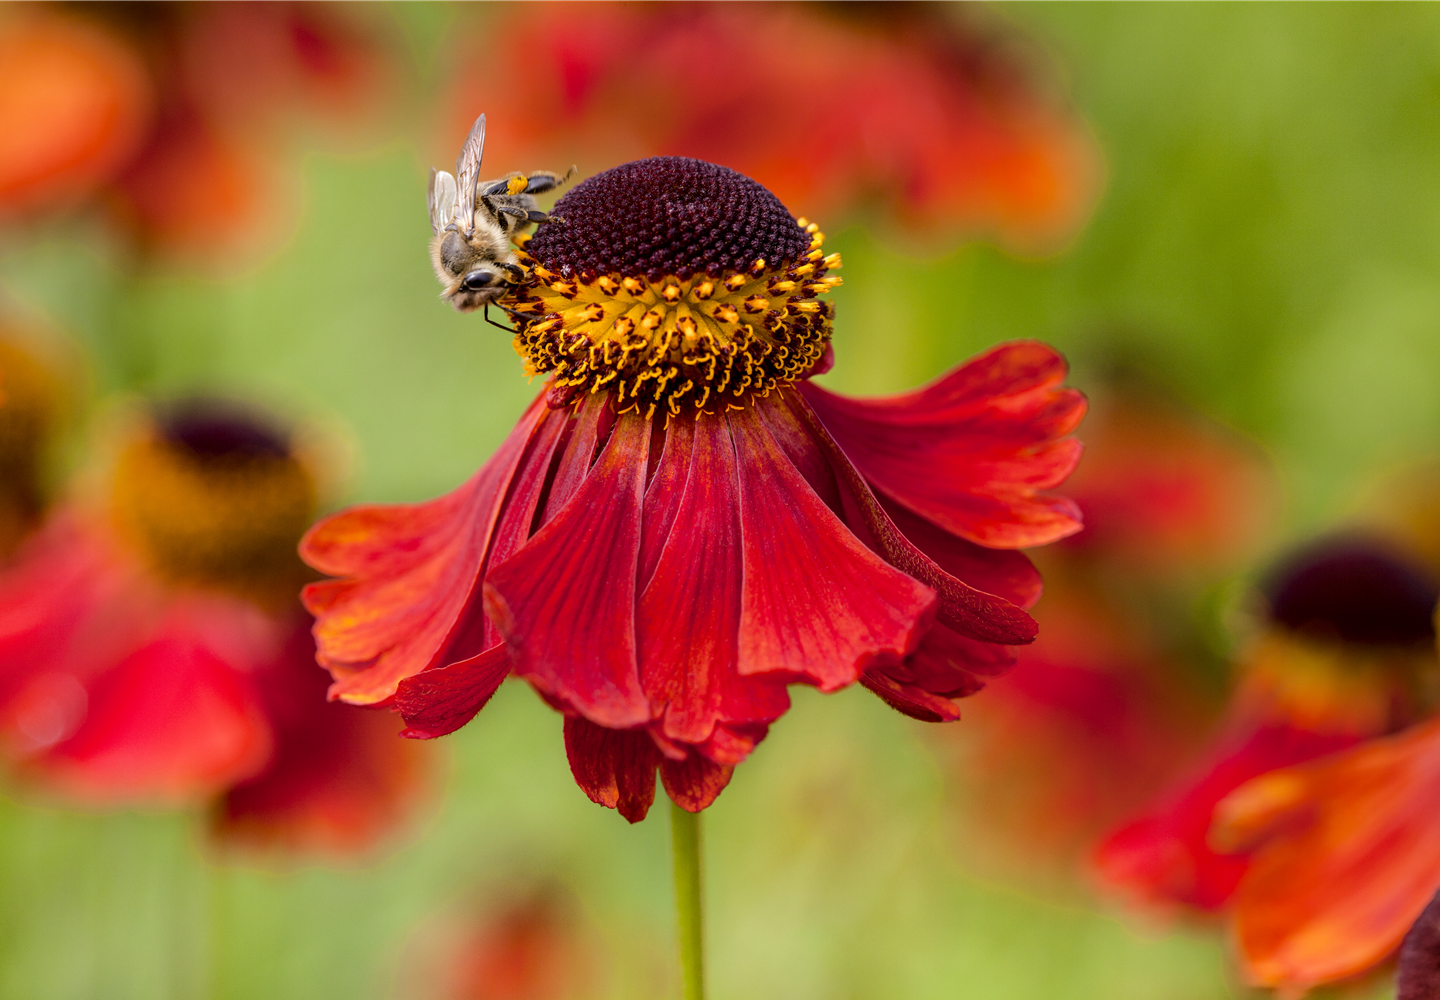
(1346, 855)
(916, 108)
(1108, 701)
(1350, 628)
(682, 525)
(150, 649)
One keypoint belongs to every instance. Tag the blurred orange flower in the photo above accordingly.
(1349, 636)
(1346, 857)
(919, 109)
(151, 648)
(74, 105)
(168, 111)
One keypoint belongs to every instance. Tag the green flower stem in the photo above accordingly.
(685, 838)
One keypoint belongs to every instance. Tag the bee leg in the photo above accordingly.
(497, 326)
(514, 270)
(543, 180)
(514, 184)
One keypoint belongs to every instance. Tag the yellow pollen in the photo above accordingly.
(701, 343)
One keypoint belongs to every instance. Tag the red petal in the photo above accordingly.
(579, 454)
(694, 783)
(477, 633)
(911, 700)
(1002, 572)
(971, 612)
(566, 600)
(439, 701)
(662, 496)
(971, 451)
(410, 572)
(816, 603)
(688, 618)
(615, 767)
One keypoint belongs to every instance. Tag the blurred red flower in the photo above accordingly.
(509, 945)
(917, 108)
(660, 579)
(1350, 632)
(151, 651)
(168, 111)
(1112, 698)
(526, 952)
(1166, 492)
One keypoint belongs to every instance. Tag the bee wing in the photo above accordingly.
(467, 174)
(440, 199)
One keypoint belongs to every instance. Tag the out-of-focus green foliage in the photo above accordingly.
(1268, 246)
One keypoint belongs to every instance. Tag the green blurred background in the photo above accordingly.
(1267, 247)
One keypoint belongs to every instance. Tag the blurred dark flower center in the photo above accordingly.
(1357, 590)
(214, 497)
(211, 431)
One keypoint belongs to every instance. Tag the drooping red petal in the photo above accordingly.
(688, 618)
(439, 701)
(565, 601)
(816, 603)
(973, 451)
(615, 767)
(969, 611)
(1002, 572)
(694, 783)
(408, 572)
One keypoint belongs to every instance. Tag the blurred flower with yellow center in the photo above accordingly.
(1345, 655)
(151, 649)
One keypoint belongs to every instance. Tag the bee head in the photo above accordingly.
(470, 270)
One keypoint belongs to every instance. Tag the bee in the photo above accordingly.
(474, 223)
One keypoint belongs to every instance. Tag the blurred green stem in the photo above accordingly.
(685, 838)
